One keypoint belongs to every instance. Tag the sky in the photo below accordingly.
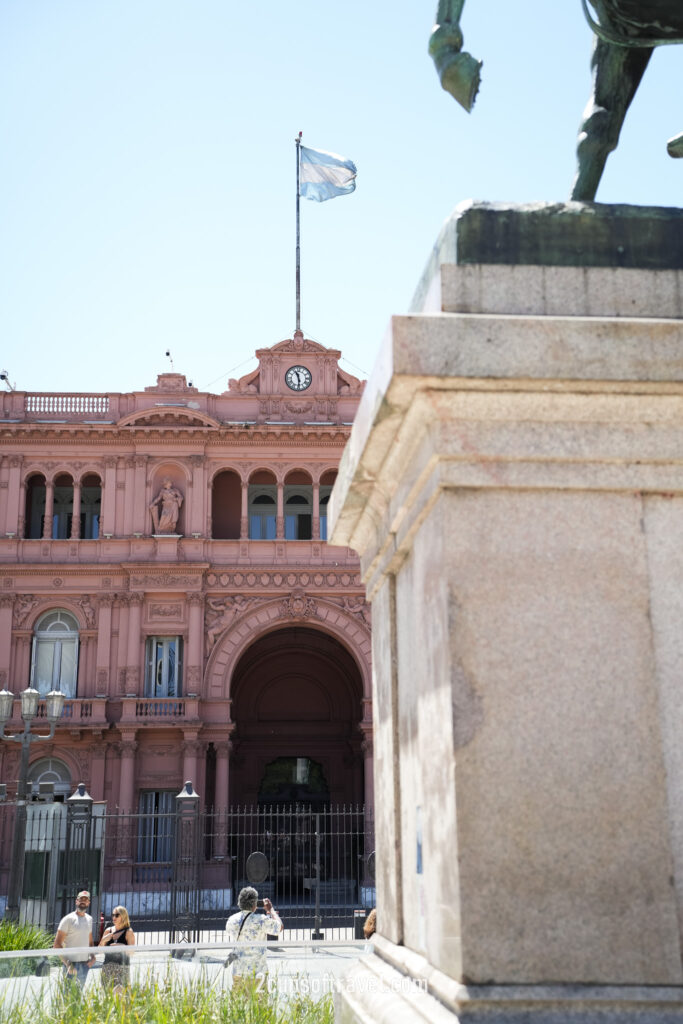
(147, 171)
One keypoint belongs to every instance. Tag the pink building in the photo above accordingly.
(163, 562)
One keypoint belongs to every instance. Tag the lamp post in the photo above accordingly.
(54, 705)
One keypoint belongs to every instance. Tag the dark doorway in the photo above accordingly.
(296, 703)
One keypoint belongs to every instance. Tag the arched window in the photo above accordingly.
(262, 512)
(54, 661)
(63, 507)
(51, 769)
(35, 507)
(91, 507)
(226, 505)
(298, 513)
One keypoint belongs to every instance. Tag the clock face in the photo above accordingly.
(298, 378)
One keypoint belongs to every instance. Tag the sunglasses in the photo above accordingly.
(116, 914)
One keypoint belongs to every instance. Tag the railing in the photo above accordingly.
(77, 406)
(160, 709)
(73, 709)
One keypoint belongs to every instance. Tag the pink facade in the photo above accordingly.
(163, 562)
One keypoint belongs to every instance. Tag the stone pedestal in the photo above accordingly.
(514, 486)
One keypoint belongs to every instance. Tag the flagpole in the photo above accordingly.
(298, 238)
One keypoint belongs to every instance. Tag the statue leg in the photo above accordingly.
(617, 71)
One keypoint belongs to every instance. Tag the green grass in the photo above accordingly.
(165, 1002)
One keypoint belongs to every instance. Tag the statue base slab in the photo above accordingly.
(569, 234)
(513, 484)
(394, 986)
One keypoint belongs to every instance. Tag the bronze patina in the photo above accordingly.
(625, 34)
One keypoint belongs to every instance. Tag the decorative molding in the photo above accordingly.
(164, 580)
(278, 578)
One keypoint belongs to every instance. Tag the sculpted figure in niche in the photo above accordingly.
(165, 508)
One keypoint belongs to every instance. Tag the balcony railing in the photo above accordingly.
(153, 709)
(67, 406)
(87, 711)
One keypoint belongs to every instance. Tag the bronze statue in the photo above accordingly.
(626, 32)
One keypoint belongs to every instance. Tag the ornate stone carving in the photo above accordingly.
(166, 611)
(128, 747)
(88, 611)
(102, 680)
(7, 601)
(194, 678)
(221, 612)
(357, 607)
(57, 581)
(24, 604)
(194, 747)
(195, 598)
(298, 606)
(105, 600)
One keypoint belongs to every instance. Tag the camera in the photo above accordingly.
(261, 904)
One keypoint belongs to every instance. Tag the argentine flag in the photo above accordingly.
(325, 175)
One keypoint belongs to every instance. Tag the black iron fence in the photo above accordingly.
(178, 870)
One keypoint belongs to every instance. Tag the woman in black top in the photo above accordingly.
(116, 968)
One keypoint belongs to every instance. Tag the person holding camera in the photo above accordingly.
(249, 929)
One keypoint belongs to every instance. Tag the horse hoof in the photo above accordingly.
(674, 146)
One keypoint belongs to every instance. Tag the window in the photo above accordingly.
(156, 826)
(54, 662)
(298, 515)
(163, 675)
(262, 514)
(51, 769)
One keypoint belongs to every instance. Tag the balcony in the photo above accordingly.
(158, 711)
(86, 712)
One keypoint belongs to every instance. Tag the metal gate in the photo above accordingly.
(178, 869)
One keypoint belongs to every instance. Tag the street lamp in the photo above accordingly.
(54, 705)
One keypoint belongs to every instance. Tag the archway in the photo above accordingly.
(296, 695)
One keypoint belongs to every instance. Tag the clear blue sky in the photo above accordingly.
(147, 178)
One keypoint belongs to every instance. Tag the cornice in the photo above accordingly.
(108, 437)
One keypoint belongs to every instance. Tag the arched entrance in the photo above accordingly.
(296, 704)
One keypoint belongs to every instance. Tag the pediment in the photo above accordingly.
(168, 416)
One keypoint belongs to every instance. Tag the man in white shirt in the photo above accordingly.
(75, 931)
